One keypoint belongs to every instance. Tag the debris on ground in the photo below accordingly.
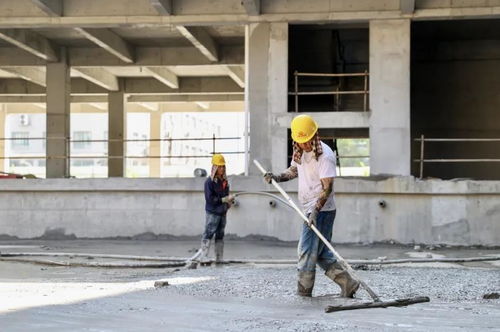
(161, 283)
(491, 296)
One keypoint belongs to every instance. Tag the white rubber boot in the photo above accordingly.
(205, 246)
(200, 256)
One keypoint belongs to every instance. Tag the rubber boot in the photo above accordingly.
(219, 251)
(305, 284)
(348, 285)
(200, 256)
(205, 246)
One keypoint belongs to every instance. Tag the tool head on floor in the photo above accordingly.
(378, 304)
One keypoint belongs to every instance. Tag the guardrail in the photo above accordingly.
(69, 141)
(422, 160)
(336, 92)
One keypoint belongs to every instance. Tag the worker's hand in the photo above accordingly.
(268, 177)
(228, 199)
(312, 218)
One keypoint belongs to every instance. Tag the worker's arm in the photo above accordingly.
(287, 175)
(327, 184)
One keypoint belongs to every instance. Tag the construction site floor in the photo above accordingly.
(239, 297)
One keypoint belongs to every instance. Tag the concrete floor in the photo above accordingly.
(238, 297)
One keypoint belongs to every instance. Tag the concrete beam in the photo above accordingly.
(234, 107)
(102, 98)
(50, 7)
(188, 85)
(41, 105)
(99, 77)
(30, 42)
(143, 86)
(22, 99)
(109, 41)
(237, 73)
(88, 99)
(163, 7)
(163, 75)
(42, 99)
(185, 98)
(156, 56)
(407, 6)
(99, 106)
(20, 87)
(204, 105)
(200, 38)
(328, 119)
(145, 56)
(153, 107)
(32, 74)
(252, 7)
(91, 13)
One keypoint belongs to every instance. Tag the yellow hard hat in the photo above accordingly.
(303, 128)
(218, 160)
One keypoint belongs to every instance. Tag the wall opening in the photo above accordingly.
(327, 49)
(455, 84)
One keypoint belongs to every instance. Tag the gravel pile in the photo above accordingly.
(448, 285)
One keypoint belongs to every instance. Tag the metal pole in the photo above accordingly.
(365, 95)
(340, 260)
(330, 75)
(336, 150)
(247, 156)
(337, 99)
(421, 156)
(213, 144)
(296, 91)
(68, 154)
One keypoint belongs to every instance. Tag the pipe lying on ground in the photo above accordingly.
(377, 262)
(426, 260)
(99, 265)
(112, 256)
(178, 262)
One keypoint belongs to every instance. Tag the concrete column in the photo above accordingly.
(278, 92)
(116, 130)
(2, 135)
(266, 69)
(58, 117)
(155, 147)
(390, 136)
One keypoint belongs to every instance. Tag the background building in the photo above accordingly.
(414, 82)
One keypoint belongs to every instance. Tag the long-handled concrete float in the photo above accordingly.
(377, 303)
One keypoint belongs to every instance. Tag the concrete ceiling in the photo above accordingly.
(168, 43)
(164, 55)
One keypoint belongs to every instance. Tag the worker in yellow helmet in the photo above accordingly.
(314, 163)
(217, 203)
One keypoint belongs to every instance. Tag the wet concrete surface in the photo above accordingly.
(244, 297)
